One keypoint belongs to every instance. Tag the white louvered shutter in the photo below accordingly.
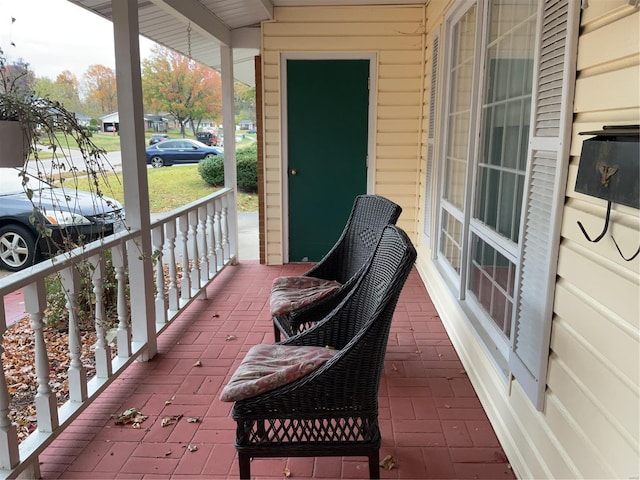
(548, 158)
(431, 133)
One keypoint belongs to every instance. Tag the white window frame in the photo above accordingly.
(544, 143)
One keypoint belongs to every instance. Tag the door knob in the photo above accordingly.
(294, 171)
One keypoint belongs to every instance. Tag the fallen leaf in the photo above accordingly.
(286, 472)
(197, 364)
(166, 421)
(389, 462)
(131, 415)
(230, 337)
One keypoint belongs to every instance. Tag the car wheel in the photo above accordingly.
(209, 156)
(17, 248)
(157, 162)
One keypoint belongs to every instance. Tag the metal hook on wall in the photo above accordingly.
(604, 231)
(620, 251)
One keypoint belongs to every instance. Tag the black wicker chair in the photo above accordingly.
(345, 261)
(333, 411)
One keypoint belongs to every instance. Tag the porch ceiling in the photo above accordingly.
(235, 23)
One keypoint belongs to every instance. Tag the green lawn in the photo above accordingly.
(111, 143)
(170, 188)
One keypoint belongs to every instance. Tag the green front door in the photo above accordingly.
(327, 119)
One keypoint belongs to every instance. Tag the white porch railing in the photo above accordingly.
(198, 239)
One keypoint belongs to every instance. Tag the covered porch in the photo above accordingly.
(431, 419)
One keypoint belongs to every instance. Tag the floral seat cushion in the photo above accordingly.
(291, 293)
(266, 367)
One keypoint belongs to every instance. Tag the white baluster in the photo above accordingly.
(9, 454)
(157, 239)
(172, 290)
(102, 348)
(203, 244)
(76, 372)
(124, 329)
(225, 234)
(211, 240)
(218, 236)
(185, 284)
(195, 254)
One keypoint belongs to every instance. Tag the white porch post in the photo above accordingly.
(134, 172)
(229, 130)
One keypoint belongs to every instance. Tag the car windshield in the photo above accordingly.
(11, 181)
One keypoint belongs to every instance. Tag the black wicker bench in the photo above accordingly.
(333, 411)
(344, 262)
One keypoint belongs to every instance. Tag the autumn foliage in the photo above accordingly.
(187, 90)
(100, 82)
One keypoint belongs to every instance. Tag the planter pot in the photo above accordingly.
(12, 145)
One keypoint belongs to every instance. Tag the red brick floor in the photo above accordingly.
(431, 420)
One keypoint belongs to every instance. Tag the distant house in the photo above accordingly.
(83, 120)
(246, 124)
(156, 123)
(110, 122)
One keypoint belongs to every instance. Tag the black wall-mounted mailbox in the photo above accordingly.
(610, 165)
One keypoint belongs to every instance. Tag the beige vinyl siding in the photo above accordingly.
(395, 36)
(589, 426)
(594, 363)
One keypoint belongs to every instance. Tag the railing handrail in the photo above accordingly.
(204, 235)
(18, 280)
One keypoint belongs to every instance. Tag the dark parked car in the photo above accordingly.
(207, 138)
(157, 138)
(72, 217)
(171, 152)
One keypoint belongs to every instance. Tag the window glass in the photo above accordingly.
(491, 280)
(505, 116)
(451, 240)
(485, 156)
(457, 145)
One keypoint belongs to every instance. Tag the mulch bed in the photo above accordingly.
(20, 371)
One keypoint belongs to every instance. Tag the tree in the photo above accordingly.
(187, 90)
(100, 88)
(44, 87)
(245, 102)
(63, 90)
(20, 76)
(67, 86)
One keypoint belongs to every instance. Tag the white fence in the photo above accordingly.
(190, 247)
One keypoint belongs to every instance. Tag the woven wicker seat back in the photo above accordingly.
(333, 411)
(347, 259)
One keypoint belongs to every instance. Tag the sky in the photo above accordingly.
(56, 35)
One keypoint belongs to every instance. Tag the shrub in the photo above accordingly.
(212, 170)
(57, 315)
